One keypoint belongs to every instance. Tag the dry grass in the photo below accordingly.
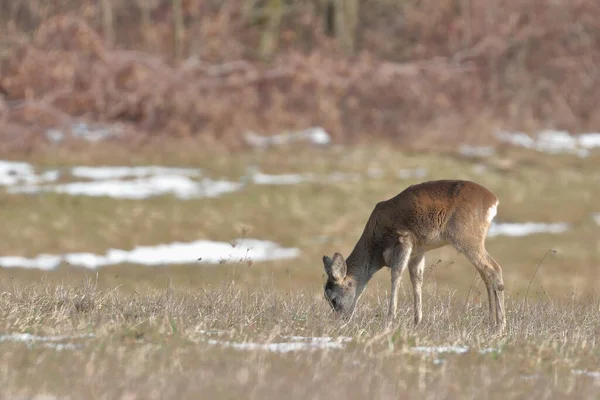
(151, 326)
(156, 345)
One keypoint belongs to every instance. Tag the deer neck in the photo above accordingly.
(362, 263)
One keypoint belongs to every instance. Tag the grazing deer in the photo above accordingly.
(400, 230)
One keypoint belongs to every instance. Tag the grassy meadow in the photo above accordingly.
(166, 332)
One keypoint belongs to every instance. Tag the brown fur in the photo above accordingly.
(400, 230)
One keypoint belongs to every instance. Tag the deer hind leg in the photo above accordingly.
(499, 291)
(490, 294)
(396, 257)
(491, 273)
(415, 267)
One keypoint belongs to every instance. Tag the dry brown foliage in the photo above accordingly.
(425, 73)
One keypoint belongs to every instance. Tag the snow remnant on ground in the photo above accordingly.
(112, 172)
(526, 228)
(295, 343)
(15, 173)
(553, 141)
(181, 187)
(52, 342)
(315, 135)
(202, 251)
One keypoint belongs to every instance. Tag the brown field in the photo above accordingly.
(151, 327)
(399, 86)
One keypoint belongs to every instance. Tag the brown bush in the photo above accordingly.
(423, 74)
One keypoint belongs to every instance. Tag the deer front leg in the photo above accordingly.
(415, 267)
(397, 259)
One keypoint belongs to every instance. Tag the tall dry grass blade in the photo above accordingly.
(469, 292)
(553, 251)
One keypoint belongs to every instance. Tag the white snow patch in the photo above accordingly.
(259, 178)
(62, 346)
(315, 135)
(591, 374)
(297, 343)
(437, 350)
(52, 342)
(142, 182)
(49, 176)
(319, 339)
(97, 173)
(556, 142)
(180, 186)
(20, 177)
(43, 261)
(28, 337)
(596, 217)
(526, 228)
(414, 173)
(519, 139)
(14, 173)
(553, 141)
(440, 349)
(204, 251)
(84, 131)
(589, 140)
(476, 151)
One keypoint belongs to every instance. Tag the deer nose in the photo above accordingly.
(334, 302)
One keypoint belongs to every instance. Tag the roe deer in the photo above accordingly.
(400, 230)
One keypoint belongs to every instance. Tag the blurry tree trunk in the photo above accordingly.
(269, 39)
(43, 12)
(324, 9)
(148, 34)
(465, 5)
(107, 21)
(178, 29)
(345, 22)
(491, 8)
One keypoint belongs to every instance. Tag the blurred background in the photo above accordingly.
(292, 119)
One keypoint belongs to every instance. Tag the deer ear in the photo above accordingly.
(336, 267)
